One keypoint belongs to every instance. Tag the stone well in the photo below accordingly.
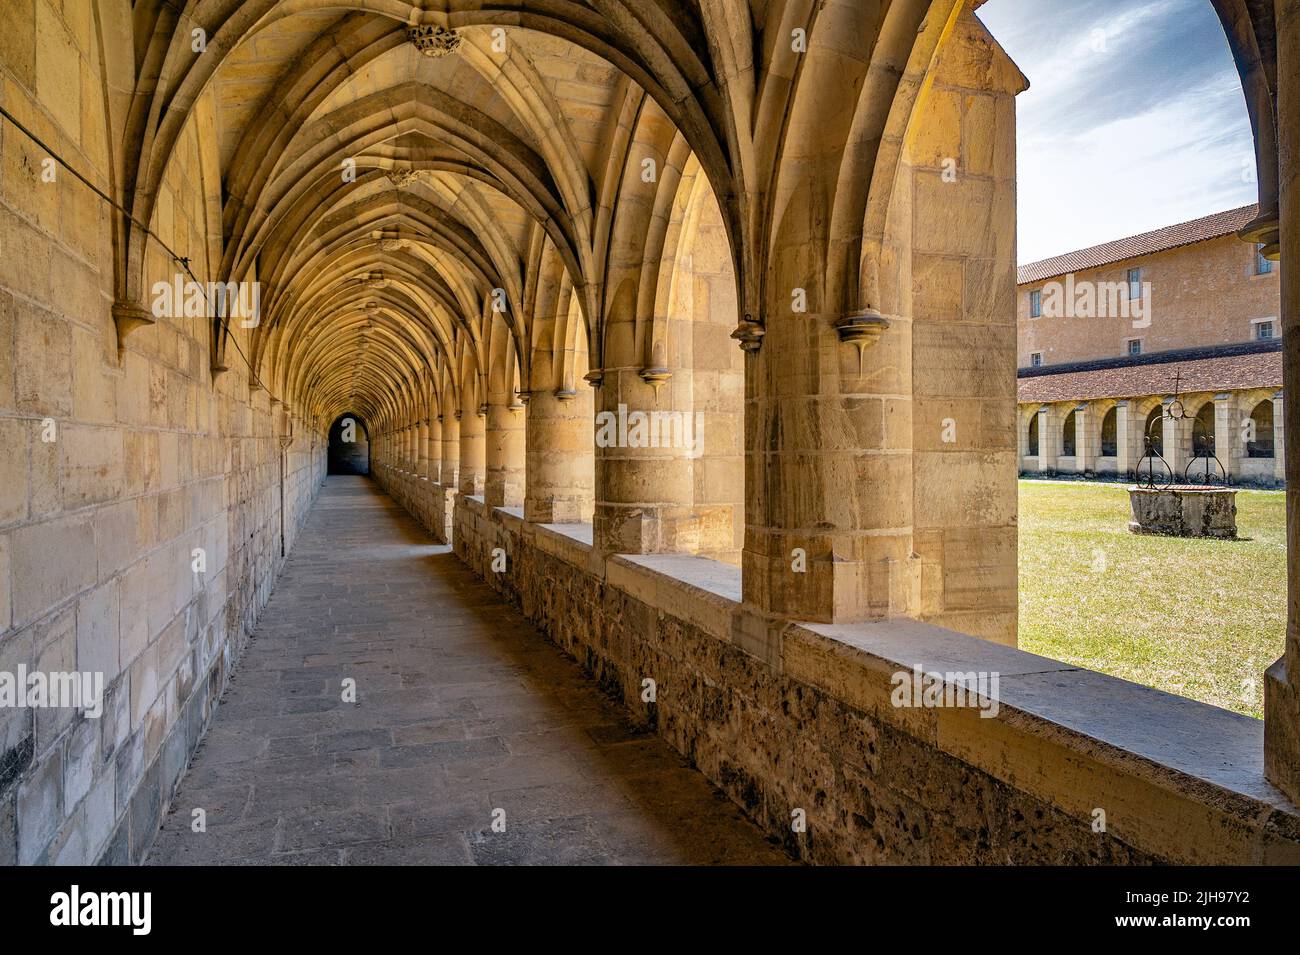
(1184, 510)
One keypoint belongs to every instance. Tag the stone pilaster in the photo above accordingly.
(1279, 438)
(449, 467)
(644, 495)
(1177, 441)
(435, 449)
(1228, 444)
(1049, 440)
(473, 451)
(560, 475)
(422, 441)
(1125, 456)
(1086, 438)
(505, 453)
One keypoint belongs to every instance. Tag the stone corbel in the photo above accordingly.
(483, 410)
(862, 329)
(565, 394)
(128, 317)
(749, 333)
(595, 377)
(1266, 230)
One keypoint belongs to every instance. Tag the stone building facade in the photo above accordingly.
(1113, 337)
(489, 231)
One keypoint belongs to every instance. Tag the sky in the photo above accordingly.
(1134, 118)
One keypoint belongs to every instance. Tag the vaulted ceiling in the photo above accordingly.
(430, 193)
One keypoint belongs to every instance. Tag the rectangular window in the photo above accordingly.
(1263, 266)
(1035, 303)
(1036, 360)
(1135, 346)
(1134, 283)
(1263, 331)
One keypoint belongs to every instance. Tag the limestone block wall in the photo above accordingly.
(144, 507)
(815, 729)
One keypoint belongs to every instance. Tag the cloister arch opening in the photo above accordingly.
(1260, 443)
(349, 445)
(1109, 433)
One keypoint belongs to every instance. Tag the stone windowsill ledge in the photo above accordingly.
(1161, 766)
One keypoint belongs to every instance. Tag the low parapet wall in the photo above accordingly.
(800, 724)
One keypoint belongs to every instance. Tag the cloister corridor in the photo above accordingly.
(462, 708)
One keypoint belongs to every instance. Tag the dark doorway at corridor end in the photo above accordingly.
(349, 451)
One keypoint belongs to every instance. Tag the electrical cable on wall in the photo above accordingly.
(182, 261)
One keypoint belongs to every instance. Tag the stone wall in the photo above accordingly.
(141, 500)
(814, 727)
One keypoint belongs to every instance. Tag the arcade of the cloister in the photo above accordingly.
(1234, 436)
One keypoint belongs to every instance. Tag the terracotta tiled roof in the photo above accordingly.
(1224, 372)
(1171, 236)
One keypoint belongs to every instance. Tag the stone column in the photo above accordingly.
(1175, 440)
(1049, 441)
(505, 452)
(644, 495)
(828, 481)
(1086, 439)
(473, 460)
(449, 468)
(1282, 680)
(1279, 438)
(1124, 456)
(423, 469)
(1228, 446)
(560, 476)
(435, 449)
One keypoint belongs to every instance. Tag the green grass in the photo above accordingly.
(1199, 618)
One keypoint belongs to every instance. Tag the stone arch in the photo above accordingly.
(1070, 434)
(1108, 436)
(1263, 443)
(1202, 431)
(1032, 438)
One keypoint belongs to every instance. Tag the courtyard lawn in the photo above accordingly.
(1199, 618)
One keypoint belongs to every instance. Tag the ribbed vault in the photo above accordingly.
(425, 189)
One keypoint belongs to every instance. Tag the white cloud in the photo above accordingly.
(1149, 130)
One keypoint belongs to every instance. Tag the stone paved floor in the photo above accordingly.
(463, 708)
